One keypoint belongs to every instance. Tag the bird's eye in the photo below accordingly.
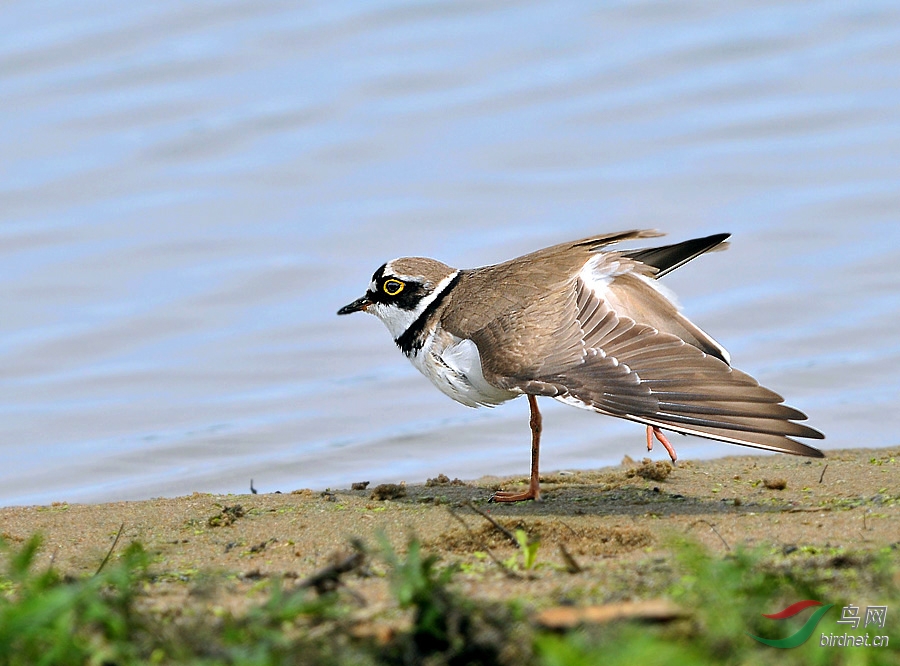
(392, 287)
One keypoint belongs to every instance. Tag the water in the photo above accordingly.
(189, 191)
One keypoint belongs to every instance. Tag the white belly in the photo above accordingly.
(454, 366)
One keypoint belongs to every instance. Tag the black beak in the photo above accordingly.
(356, 306)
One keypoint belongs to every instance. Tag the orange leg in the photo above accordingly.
(654, 431)
(534, 486)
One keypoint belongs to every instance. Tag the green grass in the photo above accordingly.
(727, 597)
(105, 620)
(46, 619)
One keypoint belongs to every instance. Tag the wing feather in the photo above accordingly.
(594, 329)
(634, 371)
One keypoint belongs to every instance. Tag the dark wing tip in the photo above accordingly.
(800, 449)
(666, 258)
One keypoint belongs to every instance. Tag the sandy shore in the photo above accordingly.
(613, 524)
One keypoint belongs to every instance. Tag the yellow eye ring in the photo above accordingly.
(392, 287)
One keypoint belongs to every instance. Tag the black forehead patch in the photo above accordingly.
(408, 299)
(377, 275)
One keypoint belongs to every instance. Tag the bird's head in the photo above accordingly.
(401, 290)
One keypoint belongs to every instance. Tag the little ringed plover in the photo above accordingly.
(587, 327)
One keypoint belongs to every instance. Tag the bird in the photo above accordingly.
(587, 324)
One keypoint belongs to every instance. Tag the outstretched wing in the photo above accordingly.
(636, 371)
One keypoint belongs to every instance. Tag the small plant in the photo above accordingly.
(528, 549)
(447, 628)
(418, 583)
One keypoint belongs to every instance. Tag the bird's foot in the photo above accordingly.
(667, 445)
(509, 496)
